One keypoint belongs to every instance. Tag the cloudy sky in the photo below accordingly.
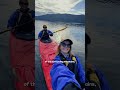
(59, 6)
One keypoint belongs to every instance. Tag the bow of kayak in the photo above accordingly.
(47, 52)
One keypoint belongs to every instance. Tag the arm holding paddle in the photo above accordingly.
(11, 22)
(46, 33)
(50, 33)
(40, 35)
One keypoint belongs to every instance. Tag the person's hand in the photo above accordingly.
(51, 34)
(39, 38)
(11, 29)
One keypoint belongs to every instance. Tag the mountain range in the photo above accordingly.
(62, 18)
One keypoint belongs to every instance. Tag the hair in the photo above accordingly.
(23, 0)
(58, 50)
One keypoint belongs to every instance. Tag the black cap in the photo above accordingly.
(26, 1)
(44, 26)
(68, 40)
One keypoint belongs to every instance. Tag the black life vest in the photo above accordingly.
(45, 35)
(72, 67)
(25, 28)
(24, 22)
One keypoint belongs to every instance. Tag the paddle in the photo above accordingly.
(4, 31)
(35, 39)
(58, 30)
(16, 26)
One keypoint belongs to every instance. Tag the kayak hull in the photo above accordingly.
(47, 54)
(22, 55)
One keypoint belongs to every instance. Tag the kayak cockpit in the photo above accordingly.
(46, 41)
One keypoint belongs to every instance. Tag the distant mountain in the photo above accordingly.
(62, 18)
(80, 5)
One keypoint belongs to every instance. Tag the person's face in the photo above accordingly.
(45, 28)
(24, 4)
(65, 46)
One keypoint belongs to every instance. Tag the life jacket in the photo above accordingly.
(45, 35)
(72, 67)
(92, 78)
(24, 25)
(24, 21)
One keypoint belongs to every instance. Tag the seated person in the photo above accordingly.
(45, 34)
(67, 72)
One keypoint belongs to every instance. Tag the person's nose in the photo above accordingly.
(66, 46)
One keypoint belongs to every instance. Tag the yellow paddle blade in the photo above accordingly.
(60, 30)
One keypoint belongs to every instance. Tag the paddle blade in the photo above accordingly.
(4, 31)
(60, 30)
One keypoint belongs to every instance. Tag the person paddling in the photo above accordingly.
(67, 72)
(45, 34)
(22, 51)
(21, 22)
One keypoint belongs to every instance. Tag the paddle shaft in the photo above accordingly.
(4, 31)
(35, 39)
(15, 27)
(57, 31)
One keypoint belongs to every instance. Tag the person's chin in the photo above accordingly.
(24, 8)
(65, 51)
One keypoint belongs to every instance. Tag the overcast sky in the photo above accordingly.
(60, 6)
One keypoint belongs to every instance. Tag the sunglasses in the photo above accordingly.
(22, 3)
(44, 27)
(65, 45)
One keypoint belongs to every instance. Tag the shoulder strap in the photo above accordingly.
(42, 33)
(20, 14)
(74, 59)
(30, 13)
(65, 61)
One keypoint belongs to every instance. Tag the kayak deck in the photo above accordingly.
(22, 59)
(22, 52)
(47, 52)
